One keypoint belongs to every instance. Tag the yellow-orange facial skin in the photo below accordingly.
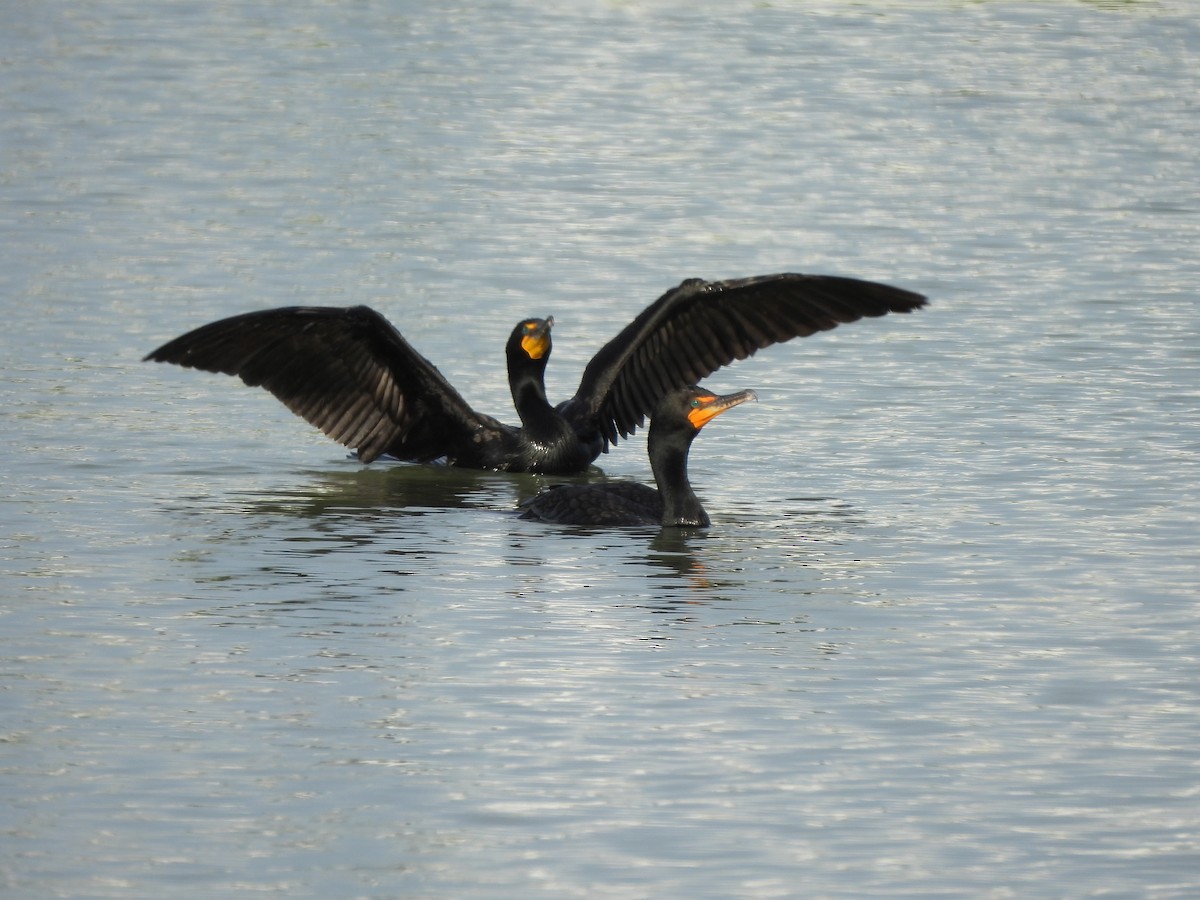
(536, 341)
(703, 411)
(707, 407)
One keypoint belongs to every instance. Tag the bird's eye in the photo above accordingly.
(695, 403)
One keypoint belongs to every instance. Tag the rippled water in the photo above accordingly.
(942, 638)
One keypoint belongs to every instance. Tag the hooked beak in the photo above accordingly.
(713, 405)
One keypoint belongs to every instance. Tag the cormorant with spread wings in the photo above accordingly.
(350, 373)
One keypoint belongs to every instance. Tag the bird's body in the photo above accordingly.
(605, 505)
(349, 372)
(675, 423)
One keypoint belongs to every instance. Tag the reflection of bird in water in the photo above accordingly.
(351, 374)
(675, 423)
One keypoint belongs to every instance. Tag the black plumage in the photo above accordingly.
(675, 423)
(355, 377)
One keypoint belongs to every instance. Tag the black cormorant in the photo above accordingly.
(674, 424)
(351, 374)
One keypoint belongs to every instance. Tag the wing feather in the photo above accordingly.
(696, 328)
(346, 371)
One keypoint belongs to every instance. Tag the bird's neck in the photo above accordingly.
(668, 461)
(540, 421)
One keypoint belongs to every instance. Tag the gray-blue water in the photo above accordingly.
(943, 638)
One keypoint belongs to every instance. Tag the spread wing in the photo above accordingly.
(694, 329)
(346, 371)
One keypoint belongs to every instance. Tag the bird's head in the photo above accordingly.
(703, 406)
(531, 339)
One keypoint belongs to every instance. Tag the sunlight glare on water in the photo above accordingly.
(941, 638)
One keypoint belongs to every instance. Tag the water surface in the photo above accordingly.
(942, 638)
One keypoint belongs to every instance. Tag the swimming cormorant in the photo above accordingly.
(676, 421)
(352, 375)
